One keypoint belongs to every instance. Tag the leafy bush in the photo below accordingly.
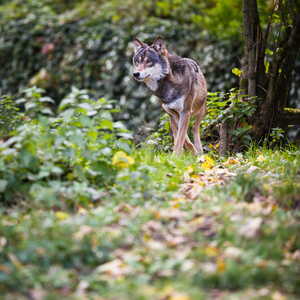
(10, 116)
(65, 159)
(234, 110)
(88, 44)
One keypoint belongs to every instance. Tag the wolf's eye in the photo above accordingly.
(149, 62)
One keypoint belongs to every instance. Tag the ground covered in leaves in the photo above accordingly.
(170, 229)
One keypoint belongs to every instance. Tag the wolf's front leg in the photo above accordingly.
(183, 125)
(174, 120)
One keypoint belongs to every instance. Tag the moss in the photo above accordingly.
(244, 84)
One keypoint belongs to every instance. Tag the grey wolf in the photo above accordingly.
(180, 87)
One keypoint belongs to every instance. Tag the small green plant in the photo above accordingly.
(162, 139)
(275, 135)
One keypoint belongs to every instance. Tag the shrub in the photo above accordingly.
(88, 44)
(64, 159)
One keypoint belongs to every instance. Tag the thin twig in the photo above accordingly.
(261, 88)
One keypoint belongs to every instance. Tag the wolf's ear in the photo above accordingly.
(138, 45)
(160, 46)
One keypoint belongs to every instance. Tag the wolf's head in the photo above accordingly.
(150, 63)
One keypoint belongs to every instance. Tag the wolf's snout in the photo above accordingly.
(136, 74)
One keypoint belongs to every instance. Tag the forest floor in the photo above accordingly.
(194, 228)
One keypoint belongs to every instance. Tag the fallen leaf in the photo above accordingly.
(83, 230)
(37, 293)
(278, 296)
(115, 268)
(179, 297)
(190, 169)
(232, 252)
(220, 265)
(231, 161)
(251, 228)
(209, 268)
(176, 240)
(175, 214)
(211, 251)
(207, 162)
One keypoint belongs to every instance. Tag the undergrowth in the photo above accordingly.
(87, 216)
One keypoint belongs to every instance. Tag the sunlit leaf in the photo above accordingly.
(60, 215)
(121, 159)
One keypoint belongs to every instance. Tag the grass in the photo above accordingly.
(167, 230)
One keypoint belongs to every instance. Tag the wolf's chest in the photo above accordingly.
(176, 105)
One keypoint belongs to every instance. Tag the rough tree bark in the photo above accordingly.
(271, 88)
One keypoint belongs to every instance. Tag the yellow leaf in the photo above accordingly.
(157, 215)
(179, 200)
(189, 170)
(205, 166)
(179, 297)
(220, 265)
(231, 161)
(209, 160)
(60, 215)
(174, 204)
(121, 159)
(211, 251)
(211, 146)
(237, 72)
(208, 163)
(260, 158)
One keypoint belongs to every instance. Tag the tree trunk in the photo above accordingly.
(271, 88)
(223, 138)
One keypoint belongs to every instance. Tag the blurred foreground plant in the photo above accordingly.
(65, 159)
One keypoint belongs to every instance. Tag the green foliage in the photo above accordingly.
(62, 160)
(233, 109)
(88, 44)
(161, 140)
(10, 117)
(276, 135)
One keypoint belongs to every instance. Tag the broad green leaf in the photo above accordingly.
(123, 145)
(106, 124)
